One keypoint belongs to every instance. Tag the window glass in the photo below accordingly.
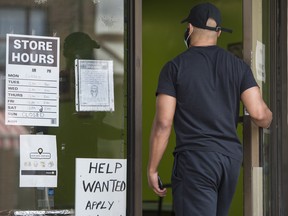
(37, 22)
(90, 30)
(265, 139)
(12, 20)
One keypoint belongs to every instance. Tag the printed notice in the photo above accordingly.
(260, 61)
(32, 81)
(94, 85)
(100, 187)
(38, 161)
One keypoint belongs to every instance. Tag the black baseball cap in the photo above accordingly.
(199, 15)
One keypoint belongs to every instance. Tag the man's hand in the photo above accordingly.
(161, 128)
(153, 183)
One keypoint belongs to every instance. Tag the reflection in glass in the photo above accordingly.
(89, 29)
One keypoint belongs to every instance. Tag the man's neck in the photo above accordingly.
(203, 42)
(203, 39)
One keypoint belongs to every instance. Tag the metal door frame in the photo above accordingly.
(278, 161)
(134, 112)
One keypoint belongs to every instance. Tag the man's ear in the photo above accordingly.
(190, 26)
(219, 33)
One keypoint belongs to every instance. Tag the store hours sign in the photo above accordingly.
(32, 80)
(100, 187)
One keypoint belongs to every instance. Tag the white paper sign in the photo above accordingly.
(94, 85)
(32, 81)
(260, 61)
(100, 187)
(38, 161)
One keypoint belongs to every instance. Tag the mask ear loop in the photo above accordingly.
(186, 40)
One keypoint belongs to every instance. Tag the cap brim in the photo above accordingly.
(226, 30)
(185, 20)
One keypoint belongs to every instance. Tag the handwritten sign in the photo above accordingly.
(100, 187)
(32, 81)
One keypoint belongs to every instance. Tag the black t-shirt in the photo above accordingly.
(207, 83)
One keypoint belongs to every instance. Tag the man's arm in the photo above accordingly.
(256, 107)
(161, 128)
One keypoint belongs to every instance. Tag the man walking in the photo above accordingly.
(199, 91)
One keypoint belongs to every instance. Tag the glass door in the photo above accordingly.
(257, 142)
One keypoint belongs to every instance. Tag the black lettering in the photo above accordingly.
(108, 171)
(13, 75)
(98, 204)
(104, 168)
(88, 205)
(94, 205)
(110, 204)
(88, 186)
(112, 185)
(118, 166)
(105, 186)
(12, 88)
(13, 81)
(101, 168)
(97, 186)
(93, 167)
(103, 205)
(12, 114)
(15, 95)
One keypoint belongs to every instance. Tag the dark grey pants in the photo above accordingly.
(203, 183)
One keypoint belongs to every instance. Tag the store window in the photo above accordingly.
(88, 30)
(20, 21)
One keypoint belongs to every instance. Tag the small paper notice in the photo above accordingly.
(260, 61)
(94, 85)
(38, 161)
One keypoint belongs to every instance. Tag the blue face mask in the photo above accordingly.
(187, 38)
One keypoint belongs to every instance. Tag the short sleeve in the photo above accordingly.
(248, 80)
(167, 80)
